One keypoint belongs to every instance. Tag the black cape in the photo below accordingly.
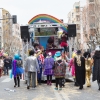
(80, 71)
(96, 68)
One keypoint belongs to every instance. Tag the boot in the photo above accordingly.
(47, 82)
(15, 81)
(81, 87)
(18, 79)
(50, 83)
(98, 84)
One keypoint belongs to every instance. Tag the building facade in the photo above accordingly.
(91, 23)
(10, 40)
(6, 30)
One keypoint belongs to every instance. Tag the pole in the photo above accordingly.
(70, 46)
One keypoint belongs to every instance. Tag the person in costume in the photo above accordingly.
(50, 43)
(6, 64)
(72, 68)
(64, 41)
(59, 70)
(80, 69)
(1, 66)
(17, 69)
(40, 59)
(48, 65)
(96, 66)
(88, 67)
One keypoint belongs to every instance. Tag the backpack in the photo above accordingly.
(59, 69)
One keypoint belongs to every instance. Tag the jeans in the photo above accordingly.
(6, 69)
(59, 82)
(31, 78)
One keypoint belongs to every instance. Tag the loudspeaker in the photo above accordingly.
(24, 32)
(14, 19)
(56, 29)
(72, 30)
(38, 30)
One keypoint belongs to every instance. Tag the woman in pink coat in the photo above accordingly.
(72, 68)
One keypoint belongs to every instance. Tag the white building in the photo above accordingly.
(1, 34)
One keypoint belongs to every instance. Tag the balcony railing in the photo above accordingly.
(91, 0)
(92, 25)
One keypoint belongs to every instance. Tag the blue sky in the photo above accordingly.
(26, 9)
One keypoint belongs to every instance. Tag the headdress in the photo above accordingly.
(17, 57)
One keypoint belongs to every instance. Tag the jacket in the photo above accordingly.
(48, 63)
(31, 64)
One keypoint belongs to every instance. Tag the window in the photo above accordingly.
(6, 14)
(77, 9)
(3, 16)
(78, 27)
(77, 18)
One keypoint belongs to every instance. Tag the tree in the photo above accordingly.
(91, 23)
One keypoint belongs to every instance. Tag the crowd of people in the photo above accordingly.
(39, 62)
(5, 64)
(81, 65)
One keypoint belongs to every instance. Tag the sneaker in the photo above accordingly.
(56, 88)
(15, 85)
(60, 88)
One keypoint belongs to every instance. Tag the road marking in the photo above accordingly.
(7, 80)
(60, 95)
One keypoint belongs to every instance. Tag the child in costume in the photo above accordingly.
(17, 69)
(48, 65)
(59, 70)
(40, 59)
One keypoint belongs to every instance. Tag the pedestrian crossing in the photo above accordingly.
(6, 80)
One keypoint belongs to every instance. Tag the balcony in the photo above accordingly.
(92, 26)
(91, 1)
(91, 13)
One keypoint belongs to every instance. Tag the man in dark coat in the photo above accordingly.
(96, 66)
(80, 69)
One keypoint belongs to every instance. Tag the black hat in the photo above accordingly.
(79, 52)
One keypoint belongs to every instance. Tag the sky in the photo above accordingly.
(26, 9)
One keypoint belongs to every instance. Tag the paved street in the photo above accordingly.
(45, 92)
